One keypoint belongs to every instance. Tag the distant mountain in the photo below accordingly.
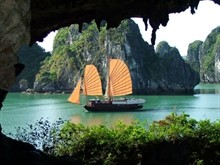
(173, 72)
(205, 57)
(31, 57)
(151, 72)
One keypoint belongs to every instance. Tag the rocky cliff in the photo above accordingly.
(205, 57)
(31, 57)
(174, 74)
(161, 72)
(193, 55)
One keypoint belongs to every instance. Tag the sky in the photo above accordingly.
(181, 30)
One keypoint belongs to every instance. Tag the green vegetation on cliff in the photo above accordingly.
(209, 51)
(64, 59)
(204, 57)
(151, 72)
(193, 55)
(73, 50)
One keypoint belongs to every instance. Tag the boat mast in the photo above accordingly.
(108, 78)
(84, 88)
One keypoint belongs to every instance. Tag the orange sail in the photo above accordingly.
(119, 80)
(92, 83)
(75, 96)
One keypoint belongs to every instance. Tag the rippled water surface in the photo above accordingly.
(22, 109)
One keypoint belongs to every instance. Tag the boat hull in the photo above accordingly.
(109, 107)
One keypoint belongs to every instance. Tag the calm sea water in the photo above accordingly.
(22, 109)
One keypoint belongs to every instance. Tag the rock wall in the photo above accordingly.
(15, 17)
(193, 55)
(217, 61)
(25, 21)
(204, 57)
(175, 75)
(152, 72)
(18, 152)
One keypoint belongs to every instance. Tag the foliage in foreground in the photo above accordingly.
(41, 134)
(197, 142)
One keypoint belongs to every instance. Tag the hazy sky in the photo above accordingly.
(182, 29)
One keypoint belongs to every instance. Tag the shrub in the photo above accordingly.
(178, 139)
(42, 134)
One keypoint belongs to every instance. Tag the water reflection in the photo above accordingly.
(207, 89)
(21, 109)
(108, 119)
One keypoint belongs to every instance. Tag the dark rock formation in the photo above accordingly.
(3, 94)
(209, 58)
(175, 75)
(193, 55)
(17, 152)
(204, 57)
(217, 63)
(15, 23)
(25, 21)
(164, 72)
(31, 57)
(51, 15)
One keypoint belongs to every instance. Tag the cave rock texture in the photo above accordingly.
(25, 22)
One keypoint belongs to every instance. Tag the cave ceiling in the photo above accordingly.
(50, 15)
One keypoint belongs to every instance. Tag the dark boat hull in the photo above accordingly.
(108, 107)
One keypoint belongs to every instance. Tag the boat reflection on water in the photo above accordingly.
(77, 119)
(107, 119)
